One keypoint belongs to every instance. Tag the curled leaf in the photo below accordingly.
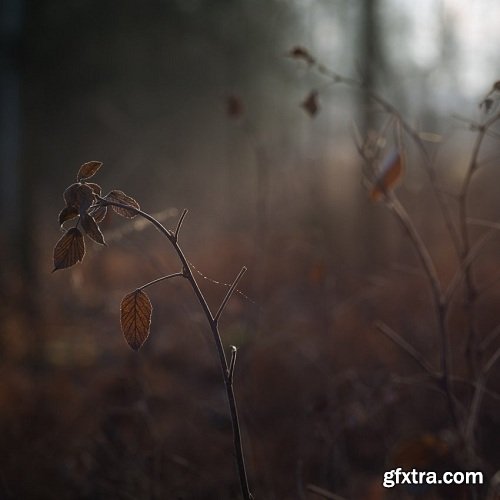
(310, 104)
(87, 170)
(69, 250)
(67, 213)
(389, 175)
(79, 196)
(92, 229)
(121, 197)
(135, 318)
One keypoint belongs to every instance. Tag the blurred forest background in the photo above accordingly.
(196, 104)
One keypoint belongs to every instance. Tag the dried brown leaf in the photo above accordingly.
(92, 229)
(87, 170)
(69, 250)
(135, 318)
(310, 104)
(120, 197)
(390, 174)
(79, 196)
(67, 213)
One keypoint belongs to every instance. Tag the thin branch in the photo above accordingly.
(477, 399)
(484, 223)
(409, 349)
(490, 338)
(163, 278)
(439, 302)
(179, 224)
(466, 262)
(467, 269)
(437, 294)
(492, 361)
(229, 293)
(232, 363)
(188, 274)
(428, 163)
(419, 246)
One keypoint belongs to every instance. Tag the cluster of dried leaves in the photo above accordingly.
(85, 204)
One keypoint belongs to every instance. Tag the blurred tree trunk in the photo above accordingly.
(370, 219)
(10, 34)
(18, 271)
(369, 57)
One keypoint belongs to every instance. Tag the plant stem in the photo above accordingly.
(428, 164)
(163, 278)
(228, 383)
(229, 293)
(409, 349)
(467, 269)
(440, 303)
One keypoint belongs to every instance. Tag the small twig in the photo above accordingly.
(409, 349)
(232, 363)
(179, 224)
(229, 293)
(163, 278)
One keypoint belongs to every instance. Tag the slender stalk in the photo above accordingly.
(229, 293)
(228, 383)
(179, 224)
(232, 362)
(477, 399)
(467, 268)
(467, 261)
(438, 299)
(428, 164)
(158, 280)
(409, 349)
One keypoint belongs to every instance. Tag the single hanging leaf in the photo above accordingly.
(310, 104)
(92, 229)
(135, 318)
(389, 175)
(69, 250)
(67, 213)
(87, 170)
(121, 197)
